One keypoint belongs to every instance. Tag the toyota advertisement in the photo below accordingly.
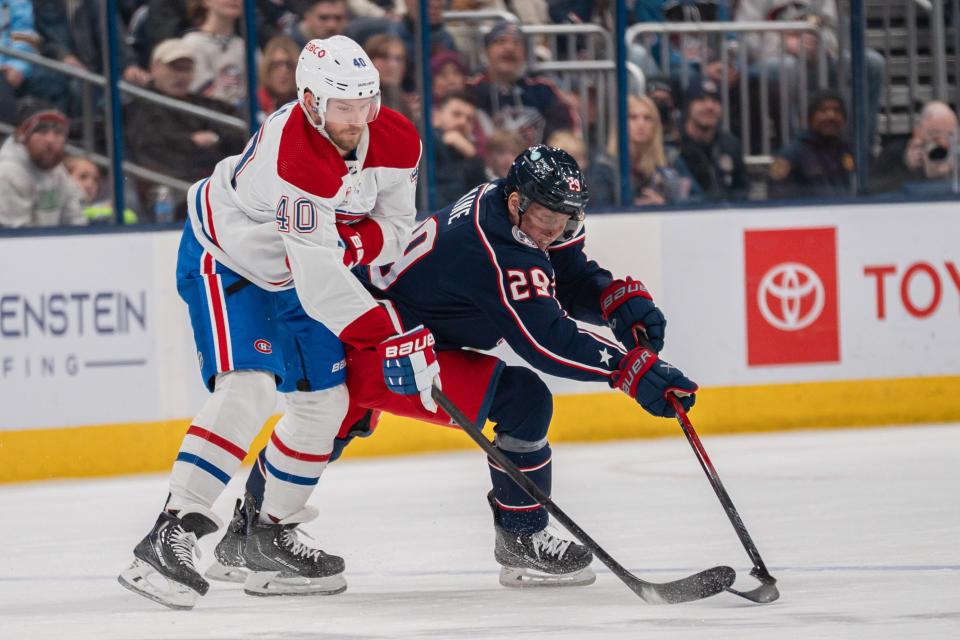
(810, 294)
(791, 295)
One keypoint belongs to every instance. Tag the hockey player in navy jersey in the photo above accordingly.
(326, 184)
(506, 262)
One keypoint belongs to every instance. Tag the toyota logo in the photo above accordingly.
(790, 296)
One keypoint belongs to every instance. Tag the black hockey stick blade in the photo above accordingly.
(695, 587)
(766, 593)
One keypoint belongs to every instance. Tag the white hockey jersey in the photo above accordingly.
(269, 214)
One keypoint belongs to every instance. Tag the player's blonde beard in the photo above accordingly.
(344, 146)
(319, 123)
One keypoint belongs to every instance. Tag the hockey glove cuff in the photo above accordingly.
(410, 364)
(646, 378)
(628, 308)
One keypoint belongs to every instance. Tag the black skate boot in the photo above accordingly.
(228, 564)
(539, 559)
(280, 564)
(163, 568)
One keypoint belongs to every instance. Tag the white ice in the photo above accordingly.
(861, 527)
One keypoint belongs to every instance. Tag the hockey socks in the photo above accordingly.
(221, 433)
(519, 513)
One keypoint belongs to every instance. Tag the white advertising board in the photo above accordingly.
(92, 330)
(891, 272)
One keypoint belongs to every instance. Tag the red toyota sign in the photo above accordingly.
(791, 285)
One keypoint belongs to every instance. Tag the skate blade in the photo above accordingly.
(276, 583)
(522, 578)
(146, 581)
(226, 573)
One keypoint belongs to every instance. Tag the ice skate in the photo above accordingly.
(541, 559)
(280, 564)
(228, 564)
(163, 569)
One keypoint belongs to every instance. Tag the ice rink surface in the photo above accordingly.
(861, 527)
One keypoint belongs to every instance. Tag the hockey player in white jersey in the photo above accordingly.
(327, 183)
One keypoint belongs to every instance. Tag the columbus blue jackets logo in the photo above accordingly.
(523, 238)
(263, 346)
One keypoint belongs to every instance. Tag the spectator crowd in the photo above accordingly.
(488, 100)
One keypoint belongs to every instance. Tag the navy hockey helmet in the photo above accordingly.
(552, 178)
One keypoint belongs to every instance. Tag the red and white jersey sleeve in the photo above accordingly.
(270, 213)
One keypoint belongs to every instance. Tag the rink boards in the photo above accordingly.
(788, 318)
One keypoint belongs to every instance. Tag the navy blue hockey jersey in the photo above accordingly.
(474, 279)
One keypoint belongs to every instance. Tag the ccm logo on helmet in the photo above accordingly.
(314, 49)
(411, 346)
(263, 346)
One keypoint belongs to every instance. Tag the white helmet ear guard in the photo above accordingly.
(338, 69)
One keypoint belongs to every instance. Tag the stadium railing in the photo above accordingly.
(88, 148)
(729, 38)
(593, 74)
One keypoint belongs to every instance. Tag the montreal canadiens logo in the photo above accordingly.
(263, 346)
(791, 296)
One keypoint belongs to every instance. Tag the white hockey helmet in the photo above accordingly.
(339, 69)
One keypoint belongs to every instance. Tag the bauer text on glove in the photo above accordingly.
(410, 364)
(362, 242)
(646, 378)
(629, 309)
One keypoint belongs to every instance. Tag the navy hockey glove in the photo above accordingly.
(410, 364)
(628, 308)
(643, 376)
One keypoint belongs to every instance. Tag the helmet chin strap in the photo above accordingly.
(316, 112)
(522, 207)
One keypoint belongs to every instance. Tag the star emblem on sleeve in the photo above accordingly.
(605, 356)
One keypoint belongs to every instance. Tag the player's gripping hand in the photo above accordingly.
(410, 364)
(646, 378)
(352, 245)
(628, 308)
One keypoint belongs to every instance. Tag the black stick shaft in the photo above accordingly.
(719, 489)
(528, 485)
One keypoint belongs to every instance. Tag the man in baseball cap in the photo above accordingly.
(35, 189)
(511, 97)
(174, 142)
(713, 156)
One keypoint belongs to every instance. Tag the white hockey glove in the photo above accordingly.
(410, 364)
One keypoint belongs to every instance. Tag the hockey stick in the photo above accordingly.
(695, 587)
(767, 591)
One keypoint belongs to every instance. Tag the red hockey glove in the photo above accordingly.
(362, 242)
(646, 378)
(628, 308)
